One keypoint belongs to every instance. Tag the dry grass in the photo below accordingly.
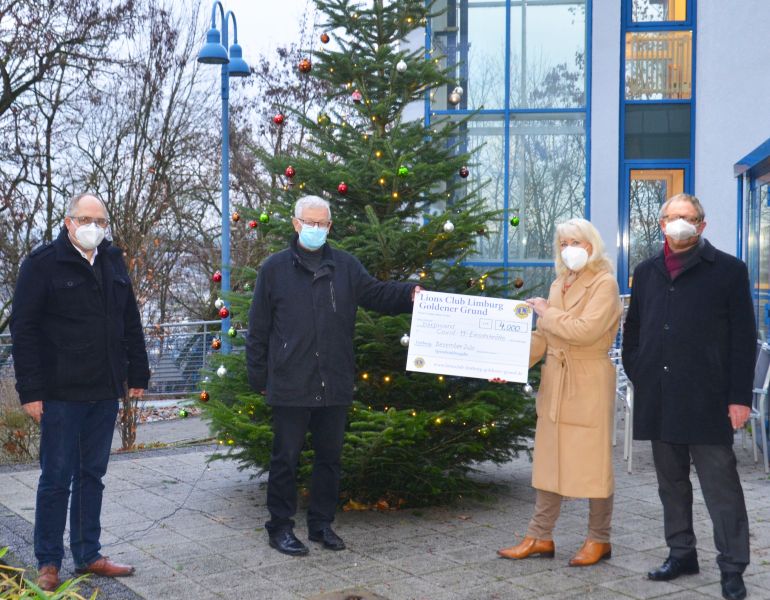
(19, 435)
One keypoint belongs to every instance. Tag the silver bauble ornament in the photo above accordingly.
(458, 90)
(405, 340)
(219, 303)
(528, 389)
(221, 371)
(454, 98)
(401, 66)
(449, 227)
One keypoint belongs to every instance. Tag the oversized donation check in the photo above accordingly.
(470, 336)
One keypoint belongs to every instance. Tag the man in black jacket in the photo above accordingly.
(688, 347)
(77, 341)
(299, 353)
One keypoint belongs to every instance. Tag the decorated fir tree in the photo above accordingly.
(405, 202)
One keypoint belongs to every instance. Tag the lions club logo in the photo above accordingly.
(419, 362)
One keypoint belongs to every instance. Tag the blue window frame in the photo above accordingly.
(753, 242)
(528, 98)
(657, 123)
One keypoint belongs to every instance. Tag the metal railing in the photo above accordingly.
(177, 352)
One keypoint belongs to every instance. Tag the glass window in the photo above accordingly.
(470, 40)
(648, 189)
(759, 257)
(547, 54)
(645, 11)
(657, 131)
(546, 182)
(659, 65)
(487, 137)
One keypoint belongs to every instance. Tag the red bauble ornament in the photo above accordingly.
(216, 344)
(204, 396)
(216, 277)
(464, 172)
(342, 188)
(253, 224)
(236, 217)
(224, 313)
(290, 172)
(357, 96)
(278, 119)
(324, 38)
(305, 65)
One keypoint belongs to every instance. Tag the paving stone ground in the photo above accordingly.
(194, 531)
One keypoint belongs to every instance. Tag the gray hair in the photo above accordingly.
(311, 202)
(75, 200)
(687, 198)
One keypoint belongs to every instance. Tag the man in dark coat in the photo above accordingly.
(688, 347)
(299, 353)
(77, 341)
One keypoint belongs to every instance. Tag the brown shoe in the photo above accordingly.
(48, 578)
(106, 568)
(529, 547)
(591, 553)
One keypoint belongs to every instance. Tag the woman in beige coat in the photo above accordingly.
(576, 327)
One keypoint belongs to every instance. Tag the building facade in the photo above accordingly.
(603, 109)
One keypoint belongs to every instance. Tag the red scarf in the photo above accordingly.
(676, 262)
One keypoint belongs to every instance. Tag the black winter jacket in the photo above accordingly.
(689, 347)
(74, 339)
(299, 345)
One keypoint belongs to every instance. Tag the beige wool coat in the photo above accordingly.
(573, 438)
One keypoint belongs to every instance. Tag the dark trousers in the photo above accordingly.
(722, 491)
(75, 441)
(327, 430)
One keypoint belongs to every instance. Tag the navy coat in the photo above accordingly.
(72, 338)
(299, 346)
(689, 348)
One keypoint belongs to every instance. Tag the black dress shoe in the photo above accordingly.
(733, 587)
(673, 568)
(328, 538)
(287, 543)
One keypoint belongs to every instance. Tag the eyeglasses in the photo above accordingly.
(321, 224)
(672, 218)
(88, 220)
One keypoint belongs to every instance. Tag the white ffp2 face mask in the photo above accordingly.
(574, 257)
(89, 236)
(681, 230)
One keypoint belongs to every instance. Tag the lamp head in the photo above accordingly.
(238, 66)
(213, 52)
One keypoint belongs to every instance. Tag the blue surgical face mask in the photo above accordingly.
(311, 237)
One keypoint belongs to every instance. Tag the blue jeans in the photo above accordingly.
(75, 442)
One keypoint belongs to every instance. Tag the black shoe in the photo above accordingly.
(673, 568)
(286, 542)
(329, 539)
(733, 587)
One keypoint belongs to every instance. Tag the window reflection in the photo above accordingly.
(658, 10)
(648, 189)
(659, 65)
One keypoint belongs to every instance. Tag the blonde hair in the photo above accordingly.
(583, 231)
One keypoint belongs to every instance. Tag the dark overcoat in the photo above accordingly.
(77, 335)
(299, 346)
(689, 348)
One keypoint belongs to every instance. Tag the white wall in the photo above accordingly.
(732, 112)
(605, 129)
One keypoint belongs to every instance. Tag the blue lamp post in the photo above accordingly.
(215, 52)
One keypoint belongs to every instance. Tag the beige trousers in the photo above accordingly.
(548, 507)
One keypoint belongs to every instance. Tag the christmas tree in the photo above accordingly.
(405, 202)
